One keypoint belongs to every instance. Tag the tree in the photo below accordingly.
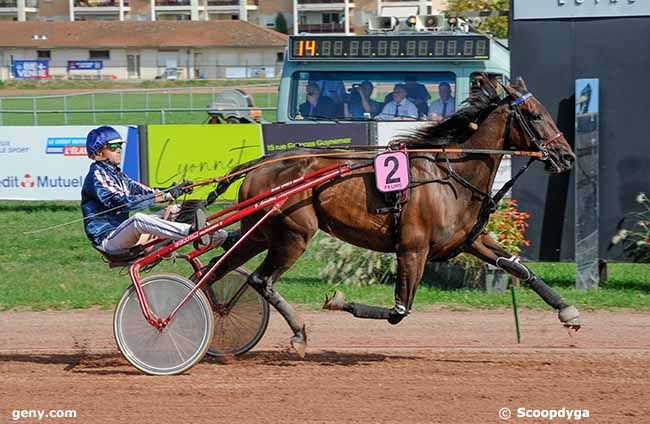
(281, 24)
(495, 25)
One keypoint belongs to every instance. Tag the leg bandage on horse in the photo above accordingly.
(394, 315)
(512, 266)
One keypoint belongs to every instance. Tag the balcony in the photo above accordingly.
(10, 8)
(231, 5)
(322, 5)
(322, 28)
(13, 4)
(100, 9)
(106, 4)
(174, 3)
(320, 1)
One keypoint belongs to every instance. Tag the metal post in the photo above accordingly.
(586, 183)
(169, 99)
(1, 123)
(65, 109)
(191, 99)
(34, 114)
(514, 308)
(162, 116)
(92, 104)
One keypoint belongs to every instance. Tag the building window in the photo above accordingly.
(43, 54)
(279, 57)
(331, 18)
(99, 54)
(234, 17)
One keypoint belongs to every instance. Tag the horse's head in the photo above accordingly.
(532, 128)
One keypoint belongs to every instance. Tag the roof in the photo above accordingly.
(161, 34)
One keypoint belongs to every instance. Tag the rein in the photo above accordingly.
(199, 183)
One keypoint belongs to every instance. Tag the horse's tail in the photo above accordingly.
(236, 173)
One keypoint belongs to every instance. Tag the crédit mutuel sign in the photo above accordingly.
(554, 9)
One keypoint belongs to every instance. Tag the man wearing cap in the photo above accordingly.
(108, 195)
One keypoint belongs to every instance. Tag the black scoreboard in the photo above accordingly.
(380, 48)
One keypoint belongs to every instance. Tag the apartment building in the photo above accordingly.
(314, 16)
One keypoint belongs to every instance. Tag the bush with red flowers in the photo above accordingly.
(507, 225)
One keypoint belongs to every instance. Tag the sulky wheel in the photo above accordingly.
(181, 344)
(241, 315)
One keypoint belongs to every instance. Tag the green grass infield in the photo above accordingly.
(58, 269)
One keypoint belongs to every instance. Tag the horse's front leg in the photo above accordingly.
(487, 249)
(410, 266)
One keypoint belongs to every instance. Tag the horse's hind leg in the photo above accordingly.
(286, 248)
(410, 268)
(485, 248)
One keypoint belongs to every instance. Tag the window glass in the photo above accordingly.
(43, 54)
(386, 96)
(99, 54)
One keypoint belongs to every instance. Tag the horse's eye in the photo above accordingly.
(536, 116)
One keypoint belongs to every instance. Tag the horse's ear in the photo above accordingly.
(484, 82)
(521, 85)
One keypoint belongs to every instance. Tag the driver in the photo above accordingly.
(106, 187)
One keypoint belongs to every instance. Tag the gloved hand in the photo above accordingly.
(179, 189)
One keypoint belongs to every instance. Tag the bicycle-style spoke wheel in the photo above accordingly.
(181, 344)
(241, 315)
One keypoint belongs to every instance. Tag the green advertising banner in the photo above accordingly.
(197, 152)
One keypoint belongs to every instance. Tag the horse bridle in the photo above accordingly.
(528, 128)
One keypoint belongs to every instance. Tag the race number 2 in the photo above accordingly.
(391, 172)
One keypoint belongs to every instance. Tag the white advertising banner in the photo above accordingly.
(387, 131)
(553, 9)
(44, 163)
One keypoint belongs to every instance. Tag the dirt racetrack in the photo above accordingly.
(439, 366)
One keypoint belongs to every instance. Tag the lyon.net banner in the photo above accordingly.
(49, 163)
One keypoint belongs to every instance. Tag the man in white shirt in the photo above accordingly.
(444, 106)
(400, 108)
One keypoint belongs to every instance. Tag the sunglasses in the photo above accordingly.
(113, 146)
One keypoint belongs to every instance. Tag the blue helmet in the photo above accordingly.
(100, 137)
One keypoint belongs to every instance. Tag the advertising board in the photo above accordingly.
(199, 152)
(50, 163)
(279, 137)
(31, 69)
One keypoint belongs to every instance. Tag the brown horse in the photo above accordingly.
(444, 216)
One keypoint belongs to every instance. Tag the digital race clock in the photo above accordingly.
(399, 47)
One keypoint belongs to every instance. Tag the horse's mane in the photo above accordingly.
(482, 101)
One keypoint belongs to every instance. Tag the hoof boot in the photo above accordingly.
(334, 302)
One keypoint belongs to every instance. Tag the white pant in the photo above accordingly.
(129, 232)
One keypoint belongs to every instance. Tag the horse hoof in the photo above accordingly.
(299, 343)
(334, 302)
(570, 317)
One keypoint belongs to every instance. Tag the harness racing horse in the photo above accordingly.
(448, 207)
